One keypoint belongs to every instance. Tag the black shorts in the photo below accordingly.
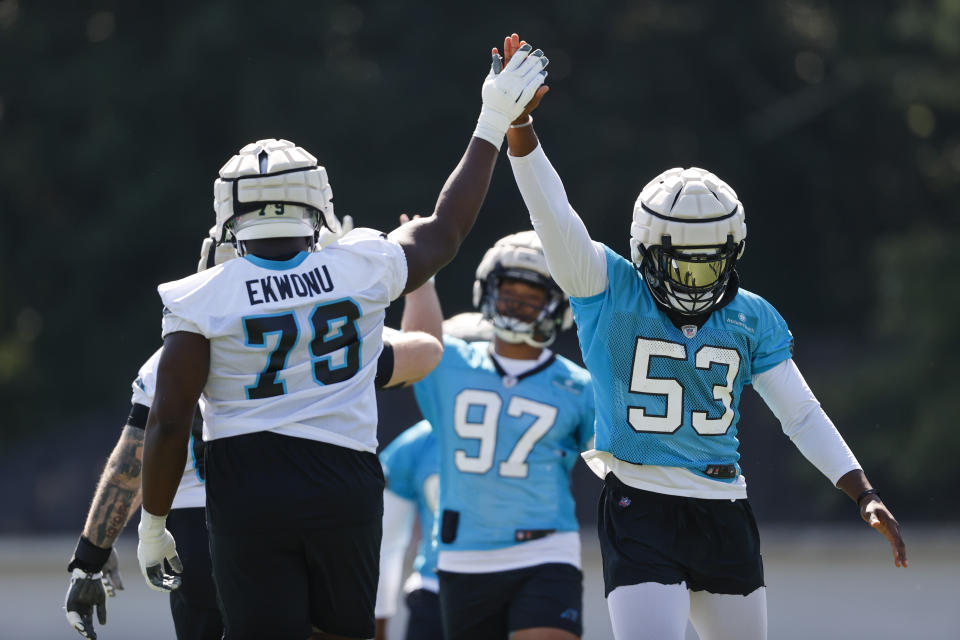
(712, 545)
(295, 528)
(490, 606)
(423, 621)
(194, 604)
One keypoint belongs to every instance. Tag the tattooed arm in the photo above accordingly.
(93, 569)
(118, 492)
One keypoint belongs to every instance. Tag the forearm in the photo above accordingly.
(422, 312)
(118, 491)
(854, 483)
(430, 243)
(576, 262)
(164, 457)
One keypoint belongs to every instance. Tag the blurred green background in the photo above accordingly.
(837, 123)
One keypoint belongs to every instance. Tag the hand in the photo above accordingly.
(112, 581)
(84, 593)
(156, 545)
(876, 514)
(507, 91)
(325, 236)
(510, 46)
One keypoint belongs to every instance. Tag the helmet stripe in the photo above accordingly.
(688, 220)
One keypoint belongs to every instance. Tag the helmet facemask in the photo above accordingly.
(691, 280)
(535, 325)
(688, 232)
(519, 257)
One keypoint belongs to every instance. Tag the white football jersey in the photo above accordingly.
(191, 492)
(293, 344)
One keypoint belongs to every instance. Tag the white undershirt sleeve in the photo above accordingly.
(577, 263)
(804, 421)
(398, 517)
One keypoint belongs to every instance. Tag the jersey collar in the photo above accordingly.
(277, 265)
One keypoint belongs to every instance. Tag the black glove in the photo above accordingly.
(86, 589)
(86, 592)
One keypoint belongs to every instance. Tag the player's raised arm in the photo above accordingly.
(576, 262)
(432, 242)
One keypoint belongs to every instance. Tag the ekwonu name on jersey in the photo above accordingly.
(293, 344)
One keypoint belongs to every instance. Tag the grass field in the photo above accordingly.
(822, 583)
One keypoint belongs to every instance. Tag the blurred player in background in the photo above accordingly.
(411, 471)
(671, 340)
(282, 346)
(407, 357)
(510, 418)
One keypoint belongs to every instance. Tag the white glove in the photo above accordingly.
(156, 545)
(112, 580)
(325, 236)
(506, 93)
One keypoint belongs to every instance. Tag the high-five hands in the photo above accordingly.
(512, 44)
(510, 88)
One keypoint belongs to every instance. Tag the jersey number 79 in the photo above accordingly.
(334, 327)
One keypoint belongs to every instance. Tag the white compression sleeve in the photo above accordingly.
(398, 516)
(577, 263)
(649, 611)
(718, 616)
(804, 421)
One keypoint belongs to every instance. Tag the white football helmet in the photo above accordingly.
(212, 254)
(273, 189)
(519, 256)
(687, 234)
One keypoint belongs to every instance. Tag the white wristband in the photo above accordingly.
(525, 124)
(151, 524)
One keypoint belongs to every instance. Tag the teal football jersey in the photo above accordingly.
(506, 446)
(667, 396)
(411, 469)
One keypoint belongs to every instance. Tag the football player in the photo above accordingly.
(671, 340)
(411, 471)
(510, 418)
(407, 357)
(282, 345)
